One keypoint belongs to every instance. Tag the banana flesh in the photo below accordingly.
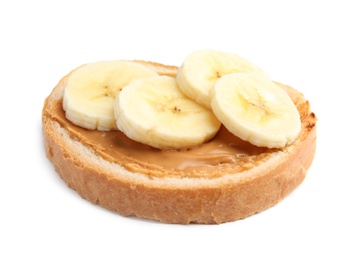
(201, 69)
(256, 110)
(155, 112)
(91, 91)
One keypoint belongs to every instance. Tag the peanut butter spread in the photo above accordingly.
(224, 154)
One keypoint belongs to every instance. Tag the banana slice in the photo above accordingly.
(256, 110)
(91, 90)
(154, 111)
(201, 69)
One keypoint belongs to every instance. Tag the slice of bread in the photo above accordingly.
(226, 197)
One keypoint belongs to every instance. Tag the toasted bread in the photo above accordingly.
(208, 198)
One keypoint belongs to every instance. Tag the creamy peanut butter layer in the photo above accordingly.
(224, 154)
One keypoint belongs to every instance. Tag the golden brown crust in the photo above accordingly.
(224, 199)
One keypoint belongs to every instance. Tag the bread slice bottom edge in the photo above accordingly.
(175, 200)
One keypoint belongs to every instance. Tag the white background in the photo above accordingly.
(305, 44)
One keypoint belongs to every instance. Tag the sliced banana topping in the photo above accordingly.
(154, 111)
(201, 69)
(91, 91)
(211, 88)
(256, 110)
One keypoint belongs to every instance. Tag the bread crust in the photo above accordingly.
(173, 200)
